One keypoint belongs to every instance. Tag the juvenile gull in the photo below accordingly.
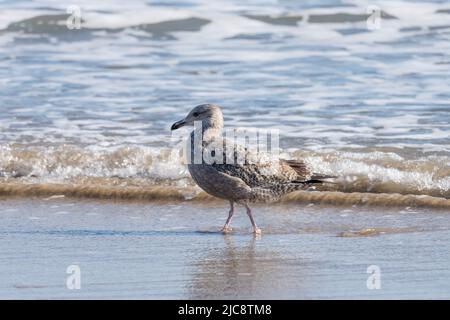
(242, 182)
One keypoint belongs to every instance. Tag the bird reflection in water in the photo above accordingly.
(238, 270)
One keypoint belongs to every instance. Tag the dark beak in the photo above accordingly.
(177, 125)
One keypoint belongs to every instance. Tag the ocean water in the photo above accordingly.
(96, 104)
(86, 113)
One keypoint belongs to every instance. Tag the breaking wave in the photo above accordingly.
(313, 71)
(366, 178)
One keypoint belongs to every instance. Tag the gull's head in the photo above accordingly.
(209, 114)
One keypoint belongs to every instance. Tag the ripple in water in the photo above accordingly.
(96, 104)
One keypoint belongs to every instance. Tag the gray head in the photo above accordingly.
(209, 114)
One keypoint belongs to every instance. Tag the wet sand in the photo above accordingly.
(173, 251)
(86, 114)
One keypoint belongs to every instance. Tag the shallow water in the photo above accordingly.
(127, 250)
(86, 114)
(369, 106)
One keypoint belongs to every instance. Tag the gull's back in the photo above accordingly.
(241, 174)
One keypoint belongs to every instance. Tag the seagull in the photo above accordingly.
(257, 178)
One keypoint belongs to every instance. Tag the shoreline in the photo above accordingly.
(172, 194)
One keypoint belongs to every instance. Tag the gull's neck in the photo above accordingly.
(209, 132)
(212, 127)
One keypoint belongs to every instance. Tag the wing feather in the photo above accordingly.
(259, 169)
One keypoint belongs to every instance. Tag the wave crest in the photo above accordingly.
(141, 167)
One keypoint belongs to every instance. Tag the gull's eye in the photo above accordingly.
(195, 114)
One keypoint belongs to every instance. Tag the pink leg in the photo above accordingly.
(256, 230)
(226, 228)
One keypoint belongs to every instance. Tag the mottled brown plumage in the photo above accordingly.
(250, 176)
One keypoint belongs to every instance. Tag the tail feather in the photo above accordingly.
(313, 181)
(318, 176)
(302, 171)
(299, 166)
(316, 180)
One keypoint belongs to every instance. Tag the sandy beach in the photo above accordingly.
(174, 251)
